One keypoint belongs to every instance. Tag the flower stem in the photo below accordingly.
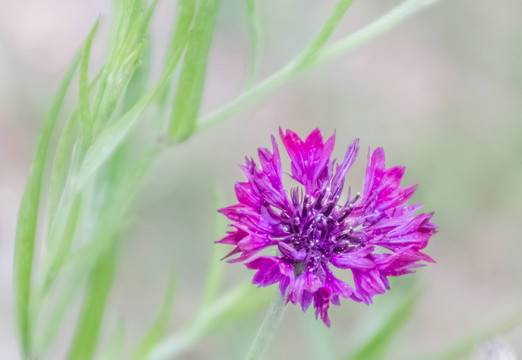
(268, 327)
(317, 54)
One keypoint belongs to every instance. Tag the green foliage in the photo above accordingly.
(464, 347)
(97, 292)
(178, 41)
(253, 27)
(316, 54)
(192, 79)
(227, 308)
(72, 203)
(113, 349)
(157, 330)
(376, 346)
(137, 86)
(28, 216)
(393, 18)
(325, 33)
(318, 338)
(85, 111)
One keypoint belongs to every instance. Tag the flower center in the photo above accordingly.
(317, 230)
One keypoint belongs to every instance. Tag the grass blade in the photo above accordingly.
(178, 40)
(234, 304)
(138, 82)
(375, 347)
(464, 347)
(157, 330)
(192, 79)
(63, 248)
(28, 215)
(89, 324)
(112, 351)
(62, 157)
(318, 338)
(376, 28)
(50, 320)
(253, 27)
(216, 267)
(85, 111)
(327, 30)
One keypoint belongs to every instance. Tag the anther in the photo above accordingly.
(318, 204)
(345, 215)
(329, 209)
(355, 198)
(305, 201)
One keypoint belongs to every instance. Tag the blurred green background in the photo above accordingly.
(441, 93)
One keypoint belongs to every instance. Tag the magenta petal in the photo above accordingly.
(322, 303)
(412, 231)
(250, 246)
(401, 262)
(290, 252)
(246, 195)
(369, 283)
(271, 270)
(271, 165)
(309, 158)
(344, 166)
(307, 282)
(357, 259)
(338, 287)
(233, 237)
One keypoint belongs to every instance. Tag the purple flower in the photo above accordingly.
(375, 235)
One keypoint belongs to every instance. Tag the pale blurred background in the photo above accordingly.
(442, 93)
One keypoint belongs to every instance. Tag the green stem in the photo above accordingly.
(371, 31)
(327, 30)
(297, 66)
(268, 327)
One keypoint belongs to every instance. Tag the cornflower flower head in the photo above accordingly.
(375, 235)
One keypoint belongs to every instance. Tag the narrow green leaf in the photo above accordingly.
(56, 306)
(64, 245)
(85, 110)
(108, 141)
(66, 158)
(234, 304)
(268, 327)
(465, 346)
(115, 344)
(121, 181)
(126, 57)
(327, 30)
(216, 267)
(89, 324)
(178, 40)
(376, 28)
(157, 330)
(118, 131)
(375, 348)
(62, 156)
(28, 216)
(138, 82)
(318, 338)
(255, 43)
(188, 96)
